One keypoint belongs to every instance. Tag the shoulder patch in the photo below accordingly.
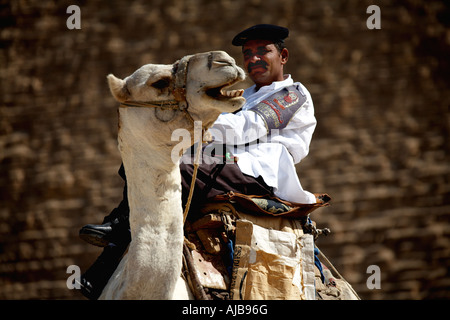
(280, 108)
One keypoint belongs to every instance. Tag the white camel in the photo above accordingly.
(156, 100)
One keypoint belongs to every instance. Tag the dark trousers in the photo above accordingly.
(213, 178)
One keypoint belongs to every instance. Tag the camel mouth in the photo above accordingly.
(221, 93)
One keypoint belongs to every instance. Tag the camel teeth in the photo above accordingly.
(234, 93)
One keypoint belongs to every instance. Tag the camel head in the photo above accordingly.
(155, 101)
(197, 83)
(207, 81)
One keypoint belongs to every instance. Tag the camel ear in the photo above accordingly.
(118, 88)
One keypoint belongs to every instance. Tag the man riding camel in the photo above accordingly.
(266, 138)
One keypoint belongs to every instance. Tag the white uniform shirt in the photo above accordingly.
(275, 155)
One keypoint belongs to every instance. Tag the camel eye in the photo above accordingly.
(161, 84)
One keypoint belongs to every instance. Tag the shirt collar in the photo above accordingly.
(252, 95)
(271, 87)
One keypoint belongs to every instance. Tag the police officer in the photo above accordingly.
(268, 136)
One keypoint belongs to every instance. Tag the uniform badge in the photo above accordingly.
(291, 97)
(280, 108)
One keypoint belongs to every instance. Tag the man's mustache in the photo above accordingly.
(256, 64)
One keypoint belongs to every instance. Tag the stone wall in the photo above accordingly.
(381, 148)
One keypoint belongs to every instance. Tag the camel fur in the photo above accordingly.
(152, 266)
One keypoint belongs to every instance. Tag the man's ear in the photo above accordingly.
(284, 56)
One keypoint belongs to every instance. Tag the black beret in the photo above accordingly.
(261, 32)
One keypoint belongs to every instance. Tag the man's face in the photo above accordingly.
(263, 62)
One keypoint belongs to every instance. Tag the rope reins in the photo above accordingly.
(179, 103)
(194, 177)
(164, 105)
(167, 104)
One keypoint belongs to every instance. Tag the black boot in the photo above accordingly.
(94, 280)
(115, 228)
(115, 232)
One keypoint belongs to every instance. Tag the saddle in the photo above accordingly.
(254, 247)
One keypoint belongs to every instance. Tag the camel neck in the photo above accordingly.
(153, 190)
